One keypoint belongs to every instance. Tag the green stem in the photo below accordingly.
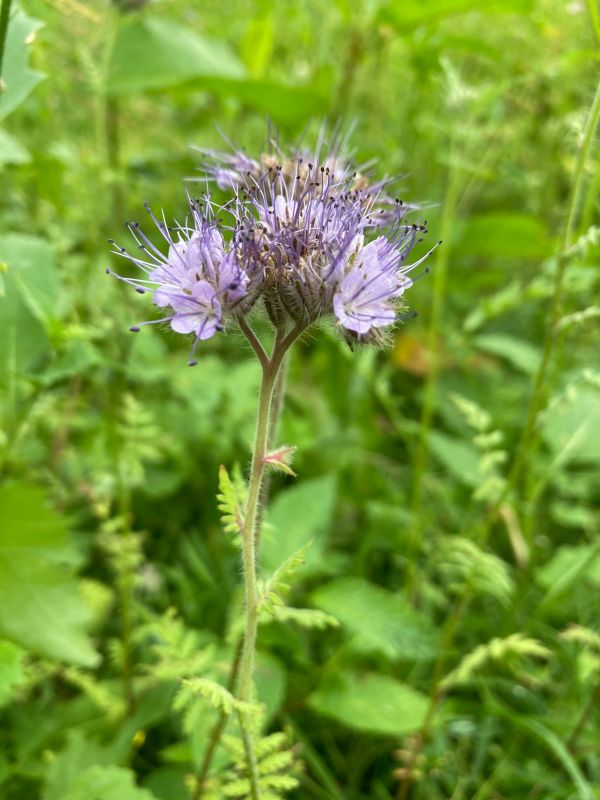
(4, 15)
(270, 372)
(276, 407)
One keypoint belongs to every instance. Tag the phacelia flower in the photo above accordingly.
(309, 236)
(201, 279)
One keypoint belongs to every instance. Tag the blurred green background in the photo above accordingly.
(449, 483)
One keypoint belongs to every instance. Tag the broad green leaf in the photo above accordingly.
(380, 621)
(460, 459)
(522, 355)
(570, 564)
(31, 266)
(78, 755)
(11, 150)
(106, 783)
(298, 515)
(29, 303)
(572, 426)
(18, 79)
(503, 235)
(370, 702)
(11, 671)
(41, 607)
(151, 54)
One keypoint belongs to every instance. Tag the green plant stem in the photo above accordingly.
(276, 407)
(270, 372)
(4, 15)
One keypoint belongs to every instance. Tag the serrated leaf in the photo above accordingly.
(279, 584)
(461, 562)
(218, 696)
(230, 502)
(269, 744)
(276, 762)
(370, 702)
(497, 650)
(305, 617)
(379, 621)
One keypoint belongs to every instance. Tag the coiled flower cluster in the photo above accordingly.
(308, 238)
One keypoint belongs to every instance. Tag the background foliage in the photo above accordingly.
(449, 646)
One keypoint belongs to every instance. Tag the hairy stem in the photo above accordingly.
(252, 516)
(275, 413)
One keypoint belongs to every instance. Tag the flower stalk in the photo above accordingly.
(253, 514)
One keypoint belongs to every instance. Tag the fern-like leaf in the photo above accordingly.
(276, 768)
(305, 617)
(461, 562)
(280, 583)
(219, 697)
(231, 501)
(270, 744)
(586, 637)
(497, 650)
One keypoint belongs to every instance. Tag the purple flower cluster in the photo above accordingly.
(311, 239)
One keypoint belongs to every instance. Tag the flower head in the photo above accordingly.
(309, 235)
